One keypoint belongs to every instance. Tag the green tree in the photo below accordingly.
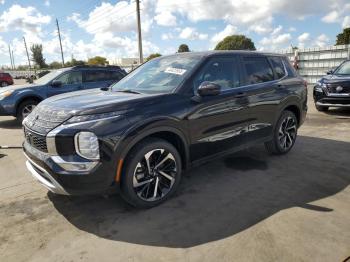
(344, 37)
(55, 65)
(235, 42)
(151, 56)
(183, 48)
(75, 62)
(97, 60)
(37, 55)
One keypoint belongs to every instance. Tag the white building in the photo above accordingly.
(315, 62)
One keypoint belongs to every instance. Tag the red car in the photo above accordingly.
(5, 79)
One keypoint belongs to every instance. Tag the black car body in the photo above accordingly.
(168, 115)
(333, 90)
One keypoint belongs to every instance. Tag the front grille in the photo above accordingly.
(332, 88)
(35, 140)
(44, 118)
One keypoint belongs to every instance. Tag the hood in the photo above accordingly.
(95, 101)
(330, 79)
(19, 87)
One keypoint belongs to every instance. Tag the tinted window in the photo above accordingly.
(289, 67)
(115, 75)
(258, 70)
(95, 76)
(278, 67)
(221, 71)
(73, 77)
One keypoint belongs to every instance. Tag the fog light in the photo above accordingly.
(86, 145)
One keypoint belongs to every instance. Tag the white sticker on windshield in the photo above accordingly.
(176, 71)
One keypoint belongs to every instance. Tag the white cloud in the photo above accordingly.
(167, 36)
(322, 40)
(229, 30)
(331, 17)
(27, 19)
(2, 2)
(304, 37)
(346, 22)
(292, 29)
(165, 18)
(275, 42)
(116, 18)
(191, 33)
(47, 3)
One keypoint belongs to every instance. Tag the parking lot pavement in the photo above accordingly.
(246, 207)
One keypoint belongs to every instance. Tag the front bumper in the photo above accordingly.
(323, 98)
(44, 178)
(99, 180)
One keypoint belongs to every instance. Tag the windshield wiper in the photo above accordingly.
(129, 91)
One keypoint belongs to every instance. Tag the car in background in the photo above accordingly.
(333, 90)
(167, 115)
(20, 100)
(5, 79)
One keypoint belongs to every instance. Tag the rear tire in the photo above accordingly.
(284, 135)
(25, 108)
(151, 174)
(3, 84)
(322, 108)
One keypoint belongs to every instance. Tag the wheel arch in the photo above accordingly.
(25, 98)
(171, 134)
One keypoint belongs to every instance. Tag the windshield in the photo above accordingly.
(160, 75)
(48, 77)
(343, 69)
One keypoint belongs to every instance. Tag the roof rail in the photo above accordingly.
(96, 66)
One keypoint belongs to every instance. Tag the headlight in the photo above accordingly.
(319, 86)
(86, 145)
(90, 118)
(5, 94)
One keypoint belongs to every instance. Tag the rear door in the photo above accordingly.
(261, 88)
(71, 81)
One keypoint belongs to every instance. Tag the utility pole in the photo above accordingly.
(10, 56)
(139, 30)
(25, 45)
(13, 60)
(59, 37)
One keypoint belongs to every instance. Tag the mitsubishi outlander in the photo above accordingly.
(171, 113)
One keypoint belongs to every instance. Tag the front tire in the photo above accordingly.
(151, 174)
(285, 134)
(3, 84)
(25, 108)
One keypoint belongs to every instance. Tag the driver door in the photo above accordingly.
(217, 123)
(70, 81)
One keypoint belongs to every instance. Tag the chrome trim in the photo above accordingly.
(46, 179)
(332, 105)
(338, 94)
(60, 161)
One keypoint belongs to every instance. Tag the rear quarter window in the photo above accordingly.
(290, 69)
(258, 70)
(278, 67)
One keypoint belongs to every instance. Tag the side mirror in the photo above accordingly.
(209, 89)
(56, 83)
(330, 72)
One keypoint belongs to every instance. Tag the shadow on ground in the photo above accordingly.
(222, 198)
(10, 124)
(339, 112)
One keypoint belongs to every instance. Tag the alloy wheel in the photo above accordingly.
(154, 175)
(27, 110)
(287, 133)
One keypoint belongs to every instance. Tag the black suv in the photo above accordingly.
(169, 114)
(333, 90)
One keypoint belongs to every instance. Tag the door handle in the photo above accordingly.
(240, 95)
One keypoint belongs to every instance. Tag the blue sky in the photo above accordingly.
(107, 28)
